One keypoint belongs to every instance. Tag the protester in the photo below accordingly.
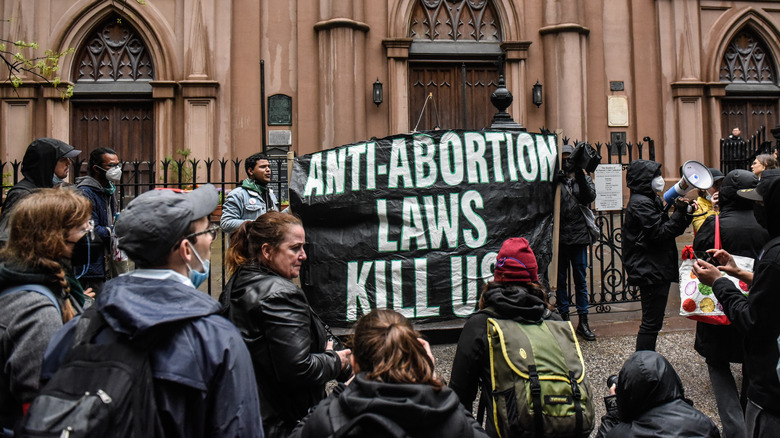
(707, 200)
(252, 198)
(514, 294)
(103, 171)
(649, 249)
(763, 162)
(577, 190)
(396, 389)
(43, 229)
(45, 164)
(720, 345)
(755, 315)
(203, 380)
(292, 355)
(649, 400)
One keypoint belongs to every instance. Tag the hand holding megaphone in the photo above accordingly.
(694, 175)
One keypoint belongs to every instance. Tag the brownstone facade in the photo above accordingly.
(185, 74)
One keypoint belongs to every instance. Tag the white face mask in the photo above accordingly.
(658, 184)
(114, 174)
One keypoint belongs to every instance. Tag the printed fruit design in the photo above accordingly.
(743, 285)
(707, 305)
(704, 289)
(689, 305)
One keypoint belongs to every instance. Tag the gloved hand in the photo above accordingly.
(562, 177)
(684, 205)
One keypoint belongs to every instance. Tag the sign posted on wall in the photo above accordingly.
(414, 222)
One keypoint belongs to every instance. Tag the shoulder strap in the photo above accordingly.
(717, 232)
(43, 290)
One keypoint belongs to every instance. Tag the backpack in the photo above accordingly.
(100, 390)
(538, 384)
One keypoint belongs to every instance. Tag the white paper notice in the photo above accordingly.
(609, 187)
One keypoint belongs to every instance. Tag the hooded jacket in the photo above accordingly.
(471, 364)
(204, 385)
(103, 211)
(740, 235)
(575, 191)
(756, 316)
(287, 343)
(649, 248)
(651, 403)
(27, 321)
(418, 409)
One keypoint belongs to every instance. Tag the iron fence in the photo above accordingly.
(740, 153)
(606, 275)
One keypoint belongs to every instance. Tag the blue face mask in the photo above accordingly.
(197, 278)
(56, 180)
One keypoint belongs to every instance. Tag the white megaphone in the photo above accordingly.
(694, 175)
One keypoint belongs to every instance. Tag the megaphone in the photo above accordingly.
(694, 175)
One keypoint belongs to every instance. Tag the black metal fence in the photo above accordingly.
(607, 279)
(740, 153)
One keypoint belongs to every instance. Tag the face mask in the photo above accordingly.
(114, 174)
(567, 165)
(709, 196)
(56, 180)
(197, 278)
(658, 184)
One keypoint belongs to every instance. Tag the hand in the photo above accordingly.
(706, 272)
(714, 201)
(344, 357)
(89, 293)
(562, 177)
(427, 347)
(726, 261)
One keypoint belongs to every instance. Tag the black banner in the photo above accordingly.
(414, 222)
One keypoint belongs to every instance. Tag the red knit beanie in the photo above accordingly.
(516, 262)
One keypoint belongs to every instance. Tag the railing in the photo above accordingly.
(739, 154)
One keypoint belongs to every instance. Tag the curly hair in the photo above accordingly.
(38, 227)
(246, 241)
(386, 347)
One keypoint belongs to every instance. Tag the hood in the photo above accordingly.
(88, 181)
(514, 302)
(12, 275)
(40, 159)
(736, 180)
(132, 305)
(640, 174)
(412, 406)
(646, 380)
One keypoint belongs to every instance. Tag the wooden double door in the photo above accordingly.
(748, 115)
(460, 94)
(124, 126)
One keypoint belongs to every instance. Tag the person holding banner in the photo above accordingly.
(577, 191)
(649, 250)
(721, 345)
(755, 315)
(291, 348)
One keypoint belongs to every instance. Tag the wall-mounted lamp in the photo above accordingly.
(377, 92)
(536, 94)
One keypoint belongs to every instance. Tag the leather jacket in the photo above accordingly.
(286, 341)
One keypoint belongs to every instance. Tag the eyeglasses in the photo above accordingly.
(88, 229)
(210, 230)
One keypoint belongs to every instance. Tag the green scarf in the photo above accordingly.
(76, 289)
(251, 184)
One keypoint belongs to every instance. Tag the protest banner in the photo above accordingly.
(413, 222)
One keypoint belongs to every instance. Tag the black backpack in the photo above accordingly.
(100, 390)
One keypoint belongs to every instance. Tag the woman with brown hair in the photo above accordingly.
(292, 355)
(395, 392)
(762, 163)
(36, 296)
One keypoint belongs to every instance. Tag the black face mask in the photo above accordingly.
(86, 251)
(567, 165)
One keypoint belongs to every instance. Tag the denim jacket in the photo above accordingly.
(244, 205)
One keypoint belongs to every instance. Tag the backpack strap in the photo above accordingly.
(575, 390)
(43, 290)
(379, 422)
(536, 399)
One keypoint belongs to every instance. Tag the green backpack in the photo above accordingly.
(538, 383)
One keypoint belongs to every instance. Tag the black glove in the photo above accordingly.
(683, 205)
(562, 177)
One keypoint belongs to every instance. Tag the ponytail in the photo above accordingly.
(238, 252)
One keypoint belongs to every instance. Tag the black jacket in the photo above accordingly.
(287, 343)
(38, 165)
(756, 316)
(740, 235)
(649, 249)
(651, 403)
(575, 191)
(418, 409)
(472, 364)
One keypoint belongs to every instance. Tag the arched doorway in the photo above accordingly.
(453, 64)
(750, 70)
(112, 101)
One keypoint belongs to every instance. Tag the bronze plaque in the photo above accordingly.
(280, 110)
